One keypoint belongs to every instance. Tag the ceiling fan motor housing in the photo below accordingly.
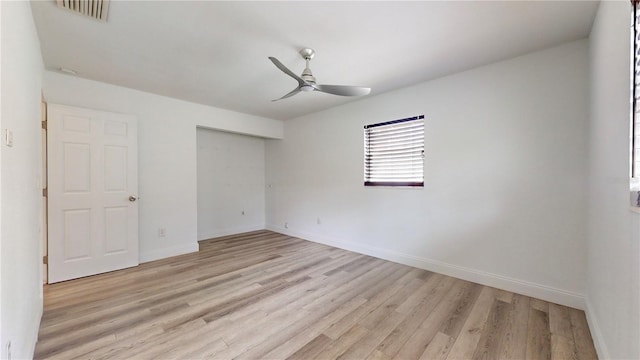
(307, 75)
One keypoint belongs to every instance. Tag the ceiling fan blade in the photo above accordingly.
(285, 70)
(290, 94)
(343, 90)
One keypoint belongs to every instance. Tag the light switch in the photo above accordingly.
(8, 137)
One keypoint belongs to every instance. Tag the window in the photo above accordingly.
(394, 153)
(635, 97)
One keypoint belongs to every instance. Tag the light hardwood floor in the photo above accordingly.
(264, 295)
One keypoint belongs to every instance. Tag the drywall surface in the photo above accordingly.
(613, 287)
(21, 169)
(505, 176)
(230, 183)
(167, 151)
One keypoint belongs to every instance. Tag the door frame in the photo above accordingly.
(44, 220)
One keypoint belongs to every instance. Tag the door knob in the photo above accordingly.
(133, 198)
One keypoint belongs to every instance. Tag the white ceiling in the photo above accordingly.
(215, 53)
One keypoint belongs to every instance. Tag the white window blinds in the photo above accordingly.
(394, 153)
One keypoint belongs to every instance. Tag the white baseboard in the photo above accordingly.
(185, 249)
(596, 332)
(523, 287)
(158, 254)
(230, 231)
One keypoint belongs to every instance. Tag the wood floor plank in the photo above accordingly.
(382, 290)
(336, 299)
(467, 341)
(513, 341)
(489, 343)
(378, 355)
(203, 348)
(540, 305)
(581, 335)
(295, 338)
(84, 348)
(147, 348)
(171, 340)
(560, 321)
(538, 336)
(454, 323)
(333, 297)
(368, 343)
(421, 338)
(312, 348)
(562, 348)
(373, 319)
(393, 343)
(240, 339)
(413, 300)
(438, 348)
(504, 296)
(267, 295)
(124, 343)
(338, 346)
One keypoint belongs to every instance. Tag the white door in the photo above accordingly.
(92, 189)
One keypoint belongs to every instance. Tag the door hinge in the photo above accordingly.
(45, 259)
(45, 192)
(44, 125)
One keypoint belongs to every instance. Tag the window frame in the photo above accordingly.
(367, 157)
(634, 122)
(635, 79)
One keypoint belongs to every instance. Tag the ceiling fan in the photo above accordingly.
(307, 82)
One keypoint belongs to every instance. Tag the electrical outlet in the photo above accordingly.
(9, 350)
(286, 225)
(242, 212)
(318, 221)
(162, 232)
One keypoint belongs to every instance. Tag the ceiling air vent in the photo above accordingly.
(97, 9)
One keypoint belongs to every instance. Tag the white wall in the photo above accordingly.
(613, 288)
(230, 183)
(166, 153)
(505, 176)
(20, 235)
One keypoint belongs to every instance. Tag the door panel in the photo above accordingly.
(115, 164)
(77, 168)
(115, 225)
(92, 166)
(77, 234)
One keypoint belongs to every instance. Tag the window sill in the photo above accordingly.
(394, 187)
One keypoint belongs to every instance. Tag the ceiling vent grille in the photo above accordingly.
(97, 9)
